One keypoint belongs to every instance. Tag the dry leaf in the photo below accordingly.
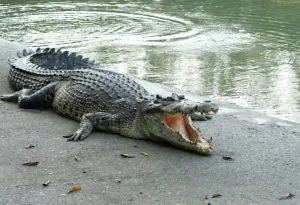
(46, 183)
(216, 195)
(30, 163)
(30, 146)
(227, 158)
(74, 188)
(288, 196)
(76, 158)
(145, 154)
(127, 156)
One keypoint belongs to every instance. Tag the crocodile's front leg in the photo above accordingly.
(28, 98)
(88, 121)
(206, 113)
(200, 117)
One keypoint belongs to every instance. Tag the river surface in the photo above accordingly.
(245, 52)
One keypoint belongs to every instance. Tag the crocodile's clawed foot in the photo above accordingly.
(70, 137)
(200, 117)
(9, 98)
(85, 128)
(2, 97)
(77, 136)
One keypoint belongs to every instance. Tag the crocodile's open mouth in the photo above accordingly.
(181, 123)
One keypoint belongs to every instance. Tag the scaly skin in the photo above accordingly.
(79, 89)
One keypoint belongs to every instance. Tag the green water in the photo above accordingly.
(244, 52)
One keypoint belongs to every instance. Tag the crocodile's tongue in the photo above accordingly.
(182, 124)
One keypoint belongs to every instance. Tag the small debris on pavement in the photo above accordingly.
(216, 195)
(127, 156)
(145, 154)
(288, 196)
(206, 197)
(30, 146)
(76, 158)
(30, 163)
(74, 188)
(228, 158)
(119, 181)
(86, 170)
(135, 145)
(46, 183)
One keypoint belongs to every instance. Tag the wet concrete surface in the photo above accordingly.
(265, 163)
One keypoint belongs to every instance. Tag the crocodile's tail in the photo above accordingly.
(35, 69)
(55, 59)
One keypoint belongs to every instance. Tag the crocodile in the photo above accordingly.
(80, 89)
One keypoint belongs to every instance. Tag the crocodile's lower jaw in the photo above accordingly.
(204, 147)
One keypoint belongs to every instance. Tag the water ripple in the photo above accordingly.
(248, 55)
(78, 25)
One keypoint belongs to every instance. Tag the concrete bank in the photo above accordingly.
(265, 163)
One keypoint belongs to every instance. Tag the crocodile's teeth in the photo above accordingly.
(24, 52)
(19, 54)
(52, 50)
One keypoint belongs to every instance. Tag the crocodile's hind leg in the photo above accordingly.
(27, 98)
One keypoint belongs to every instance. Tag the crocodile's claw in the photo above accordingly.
(200, 117)
(76, 136)
(80, 134)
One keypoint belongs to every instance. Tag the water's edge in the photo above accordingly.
(155, 88)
